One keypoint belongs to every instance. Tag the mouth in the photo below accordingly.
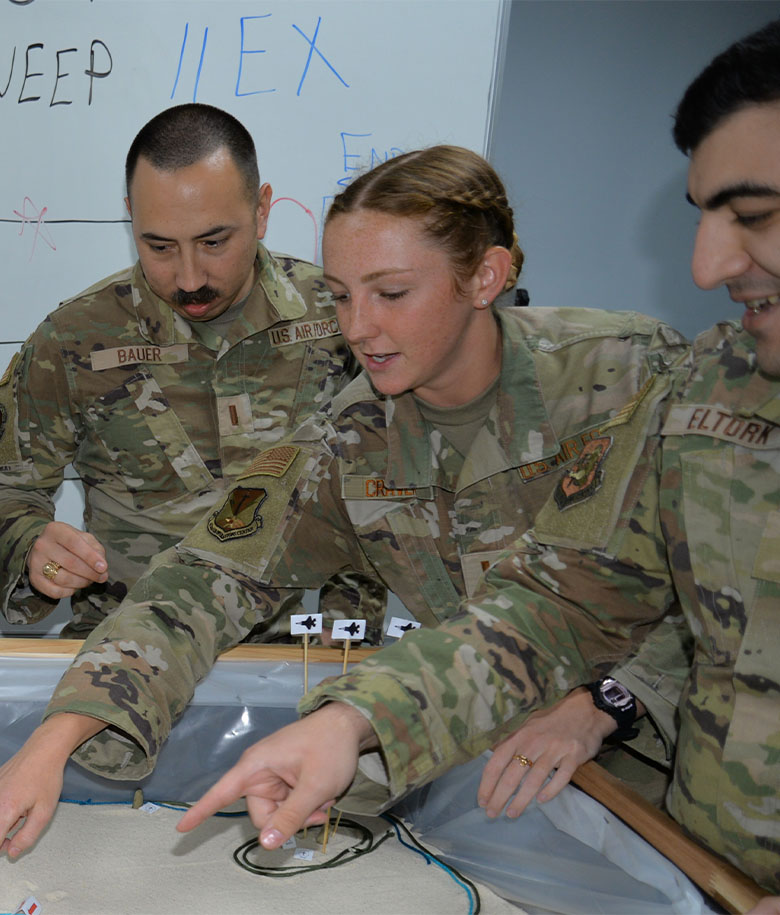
(758, 305)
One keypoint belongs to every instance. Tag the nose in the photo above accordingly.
(719, 254)
(356, 320)
(190, 275)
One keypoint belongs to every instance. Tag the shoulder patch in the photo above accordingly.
(275, 462)
(585, 476)
(239, 515)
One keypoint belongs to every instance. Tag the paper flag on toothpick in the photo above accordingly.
(398, 626)
(349, 629)
(305, 623)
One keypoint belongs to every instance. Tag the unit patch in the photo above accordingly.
(585, 476)
(272, 463)
(239, 515)
(303, 331)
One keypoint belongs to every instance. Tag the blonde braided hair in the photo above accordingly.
(456, 194)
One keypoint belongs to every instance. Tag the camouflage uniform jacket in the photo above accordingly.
(368, 487)
(704, 530)
(152, 414)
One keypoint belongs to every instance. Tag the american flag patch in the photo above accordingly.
(272, 463)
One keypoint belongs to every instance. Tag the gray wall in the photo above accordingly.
(582, 139)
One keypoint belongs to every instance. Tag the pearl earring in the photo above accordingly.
(484, 302)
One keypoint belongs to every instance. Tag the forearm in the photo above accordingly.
(440, 697)
(138, 669)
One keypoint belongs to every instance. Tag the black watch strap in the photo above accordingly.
(613, 698)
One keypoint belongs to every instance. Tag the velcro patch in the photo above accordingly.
(585, 475)
(239, 515)
(234, 414)
(354, 486)
(303, 332)
(275, 462)
(716, 422)
(103, 359)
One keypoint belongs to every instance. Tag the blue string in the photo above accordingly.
(432, 859)
(90, 803)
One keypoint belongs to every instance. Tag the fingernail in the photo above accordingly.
(271, 839)
(100, 566)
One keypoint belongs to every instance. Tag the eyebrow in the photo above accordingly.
(733, 191)
(369, 277)
(151, 236)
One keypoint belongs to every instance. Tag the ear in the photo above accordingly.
(491, 275)
(263, 209)
(128, 207)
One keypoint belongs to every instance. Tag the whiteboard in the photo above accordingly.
(325, 88)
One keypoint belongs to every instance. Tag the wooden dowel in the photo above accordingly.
(727, 885)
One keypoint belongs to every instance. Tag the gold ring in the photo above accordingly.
(50, 569)
(523, 760)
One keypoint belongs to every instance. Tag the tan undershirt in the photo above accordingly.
(460, 425)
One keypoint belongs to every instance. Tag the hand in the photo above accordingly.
(769, 905)
(556, 741)
(291, 777)
(31, 780)
(81, 558)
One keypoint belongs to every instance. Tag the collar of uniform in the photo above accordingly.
(516, 432)
(725, 372)
(273, 298)
(156, 320)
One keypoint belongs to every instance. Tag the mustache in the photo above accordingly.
(201, 296)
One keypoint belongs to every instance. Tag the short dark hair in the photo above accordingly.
(747, 73)
(453, 191)
(186, 134)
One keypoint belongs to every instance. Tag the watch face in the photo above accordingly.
(615, 694)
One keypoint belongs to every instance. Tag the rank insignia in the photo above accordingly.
(585, 476)
(3, 419)
(240, 514)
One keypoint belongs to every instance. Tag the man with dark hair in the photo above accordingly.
(698, 524)
(160, 382)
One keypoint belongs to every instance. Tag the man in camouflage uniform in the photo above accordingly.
(372, 486)
(696, 518)
(158, 387)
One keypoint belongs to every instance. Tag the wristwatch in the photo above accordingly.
(618, 702)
